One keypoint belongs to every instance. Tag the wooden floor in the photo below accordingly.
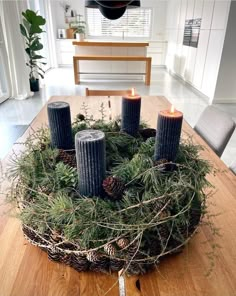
(26, 271)
(8, 136)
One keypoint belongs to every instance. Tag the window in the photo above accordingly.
(134, 23)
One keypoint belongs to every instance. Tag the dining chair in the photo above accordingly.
(105, 92)
(216, 128)
(233, 167)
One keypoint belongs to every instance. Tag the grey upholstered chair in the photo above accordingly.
(216, 128)
(233, 167)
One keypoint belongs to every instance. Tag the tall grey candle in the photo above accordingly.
(130, 114)
(169, 126)
(91, 162)
(60, 125)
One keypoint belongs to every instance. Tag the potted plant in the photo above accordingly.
(80, 28)
(31, 30)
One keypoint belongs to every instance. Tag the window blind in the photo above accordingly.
(134, 23)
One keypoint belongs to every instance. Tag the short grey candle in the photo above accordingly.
(130, 114)
(60, 125)
(169, 126)
(91, 162)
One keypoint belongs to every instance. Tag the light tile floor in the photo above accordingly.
(61, 82)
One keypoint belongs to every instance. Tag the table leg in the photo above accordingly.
(148, 71)
(76, 70)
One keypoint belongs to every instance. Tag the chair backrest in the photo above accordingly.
(105, 92)
(233, 167)
(216, 128)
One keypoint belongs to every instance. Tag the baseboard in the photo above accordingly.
(224, 101)
(159, 66)
(197, 91)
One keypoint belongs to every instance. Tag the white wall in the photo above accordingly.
(159, 8)
(159, 13)
(77, 5)
(226, 83)
(197, 66)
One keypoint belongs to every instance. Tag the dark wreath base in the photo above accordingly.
(68, 254)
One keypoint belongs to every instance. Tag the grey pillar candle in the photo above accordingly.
(130, 114)
(91, 162)
(60, 125)
(169, 126)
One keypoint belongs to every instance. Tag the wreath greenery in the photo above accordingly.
(151, 209)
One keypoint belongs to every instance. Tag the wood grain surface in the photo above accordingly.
(110, 44)
(25, 270)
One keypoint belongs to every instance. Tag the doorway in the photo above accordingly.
(4, 85)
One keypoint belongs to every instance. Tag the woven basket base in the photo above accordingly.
(104, 263)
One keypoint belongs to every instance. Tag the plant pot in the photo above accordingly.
(34, 85)
(79, 36)
(70, 33)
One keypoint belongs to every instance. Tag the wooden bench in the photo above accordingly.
(78, 58)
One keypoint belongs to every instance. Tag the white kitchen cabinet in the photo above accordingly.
(133, 67)
(220, 15)
(65, 51)
(201, 58)
(190, 64)
(183, 60)
(199, 66)
(178, 53)
(111, 69)
(173, 14)
(157, 50)
(212, 64)
(122, 67)
(172, 41)
(207, 13)
(190, 9)
(198, 9)
(183, 11)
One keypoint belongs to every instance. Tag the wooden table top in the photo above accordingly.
(25, 270)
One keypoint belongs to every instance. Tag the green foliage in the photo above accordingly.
(66, 175)
(31, 30)
(80, 25)
(155, 203)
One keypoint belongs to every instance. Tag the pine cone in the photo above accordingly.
(93, 256)
(43, 146)
(80, 117)
(114, 187)
(110, 249)
(147, 133)
(43, 190)
(66, 158)
(122, 243)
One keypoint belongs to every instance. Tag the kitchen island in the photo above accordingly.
(121, 63)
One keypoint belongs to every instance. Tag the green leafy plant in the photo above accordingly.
(31, 30)
(80, 26)
(66, 175)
